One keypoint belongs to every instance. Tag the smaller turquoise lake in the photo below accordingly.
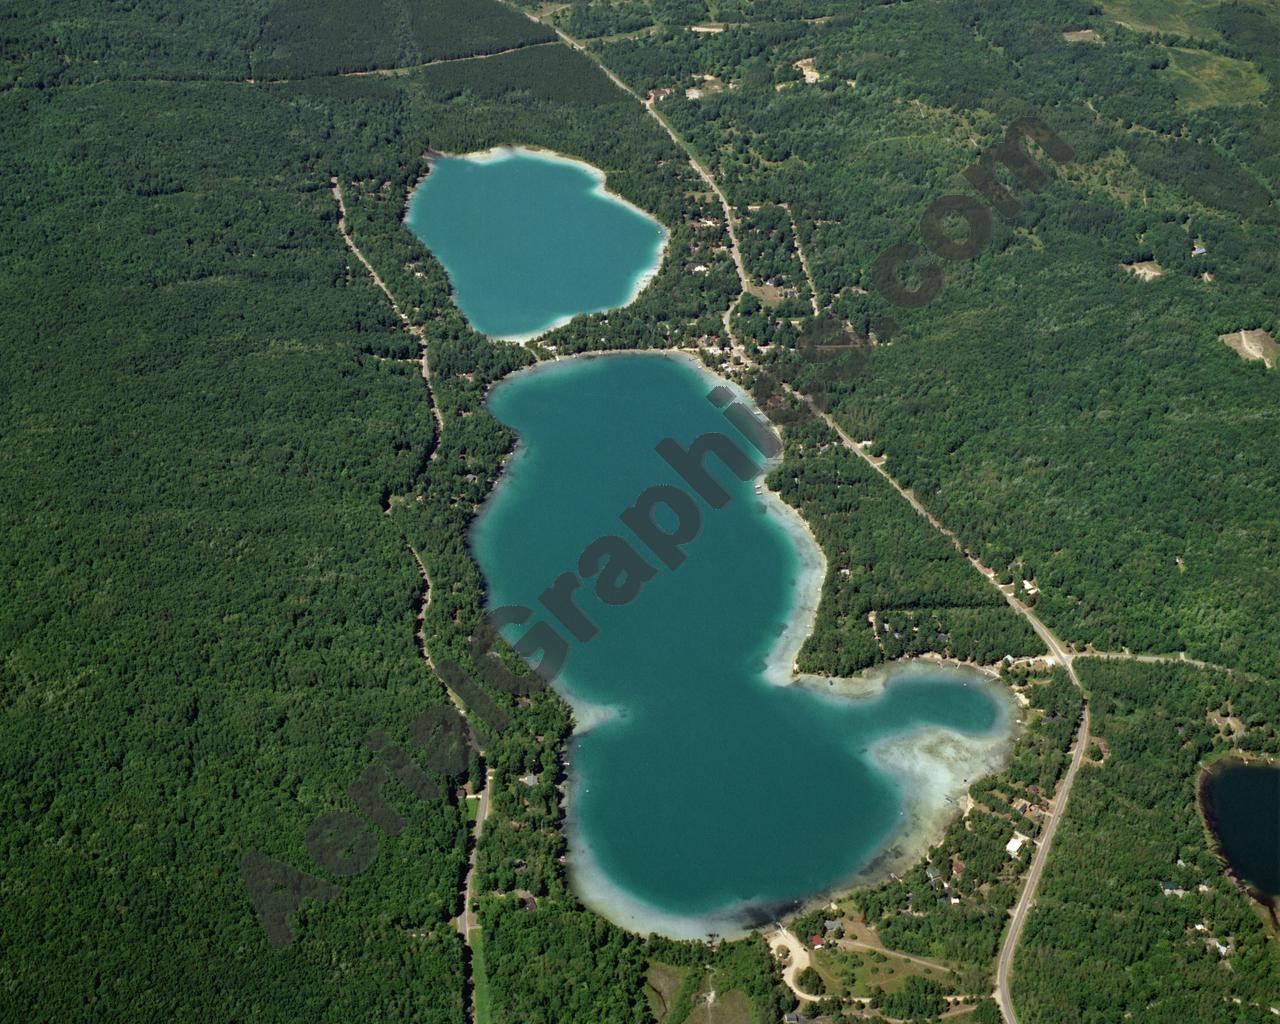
(530, 240)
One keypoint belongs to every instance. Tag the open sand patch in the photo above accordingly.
(807, 68)
(1148, 270)
(1253, 345)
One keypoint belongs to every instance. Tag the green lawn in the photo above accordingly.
(854, 973)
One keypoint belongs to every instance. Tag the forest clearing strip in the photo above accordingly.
(804, 260)
(1180, 658)
(405, 69)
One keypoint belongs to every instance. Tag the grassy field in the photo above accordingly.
(1193, 19)
(660, 988)
(1203, 79)
(856, 972)
(729, 1008)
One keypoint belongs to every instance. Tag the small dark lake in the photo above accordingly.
(1242, 805)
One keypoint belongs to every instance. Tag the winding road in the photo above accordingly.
(466, 922)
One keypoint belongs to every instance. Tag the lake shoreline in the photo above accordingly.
(1267, 903)
(936, 763)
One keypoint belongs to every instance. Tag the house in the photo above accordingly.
(816, 941)
(1014, 845)
(796, 1018)
(830, 925)
(933, 874)
(1198, 250)
(1169, 889)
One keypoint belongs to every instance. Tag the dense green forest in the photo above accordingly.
(221, 461)
(300, 39)
(208, 610)
(1047, 404)
(894, 586)
(1104, 941)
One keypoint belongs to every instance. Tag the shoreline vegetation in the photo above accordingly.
(933, 766)
(497, 154)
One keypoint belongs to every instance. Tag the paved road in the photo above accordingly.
(1004, 966)
(1056, 647)
(1060, 652)
(466, 922)
(696, 164)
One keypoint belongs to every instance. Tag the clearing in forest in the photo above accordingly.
(1148, 270)
(661, 985)
(1192, 19)
(1082, 35)
(807, 68)
(1253, 345)
(713, 1008)
(1202, 79)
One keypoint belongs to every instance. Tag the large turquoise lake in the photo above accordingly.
(530, 240)
(703, 795)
